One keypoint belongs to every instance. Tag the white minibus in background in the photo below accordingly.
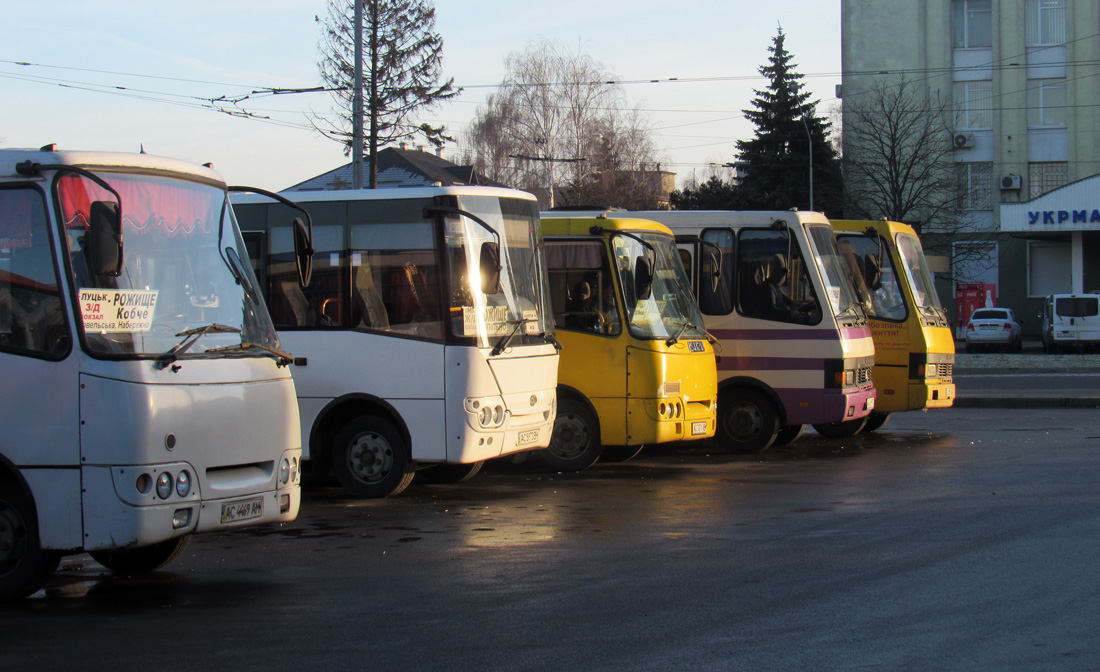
(424, 339)
(794, 347)
(1071, 321)
(145, 395)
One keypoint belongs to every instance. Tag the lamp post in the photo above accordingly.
(810, 145)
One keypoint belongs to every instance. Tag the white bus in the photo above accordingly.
(145, 393)
(425, 338)
(794, 345)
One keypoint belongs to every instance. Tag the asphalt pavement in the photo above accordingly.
(1028, 379)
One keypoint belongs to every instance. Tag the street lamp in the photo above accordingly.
(810, 145)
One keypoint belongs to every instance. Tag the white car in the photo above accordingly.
(994, 328)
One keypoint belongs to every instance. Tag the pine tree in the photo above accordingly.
(775, 163)
(402, 57)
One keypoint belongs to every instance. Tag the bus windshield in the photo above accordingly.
(837, 288)
(515, 307)
(668, 310)
(916, 270)
(184, 269)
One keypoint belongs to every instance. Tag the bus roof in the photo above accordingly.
(118, 161)
(704, 218)
(883, 226)
(387, 194)
(581, 226)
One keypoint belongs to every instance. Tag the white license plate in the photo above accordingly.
(988, 327)
(699, 428)
(244, 509)
(528, 436)
(871, 404)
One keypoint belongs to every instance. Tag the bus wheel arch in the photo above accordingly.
(336, 415)
(749, 417)
(24, 564)
(575, 442)
(145, 559)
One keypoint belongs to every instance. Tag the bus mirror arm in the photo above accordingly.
(303, 232)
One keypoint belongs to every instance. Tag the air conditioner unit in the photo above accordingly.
(1011, 181)
(964, 140)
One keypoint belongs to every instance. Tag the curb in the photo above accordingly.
(1026, 402)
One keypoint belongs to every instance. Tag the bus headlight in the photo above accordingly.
(489, 412)
(284, 471)
(164, 485)
(183, 484)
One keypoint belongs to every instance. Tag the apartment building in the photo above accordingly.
(1023, 81)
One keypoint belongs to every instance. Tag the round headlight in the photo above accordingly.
(485, 416)
(498, 415)
(183, 484)
(284, 471)
(164, 485)
(144, 484)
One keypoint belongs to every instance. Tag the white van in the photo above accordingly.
(1071, 321)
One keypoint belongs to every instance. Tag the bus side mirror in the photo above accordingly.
(303, 252)
(643, 279)
(490, 268)
(103, 244)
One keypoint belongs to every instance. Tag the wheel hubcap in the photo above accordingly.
(570, 437)
(13, 538)
(370, 457)
(744, 421)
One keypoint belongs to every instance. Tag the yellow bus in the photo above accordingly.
(914, 346)
(637, 366)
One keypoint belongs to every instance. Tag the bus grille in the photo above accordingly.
(941, 370)
(863, 376)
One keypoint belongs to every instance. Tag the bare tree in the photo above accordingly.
(401, 73)
(554, 124)
(899, 165)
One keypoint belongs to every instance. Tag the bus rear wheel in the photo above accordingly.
(788, 434)
(371, 459)
(24, 565)
(144, 559)
(748, 421)
(841, 430)
(575, 443)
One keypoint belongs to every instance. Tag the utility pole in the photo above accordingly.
(810, 145)
(357, 103)
(550, 161)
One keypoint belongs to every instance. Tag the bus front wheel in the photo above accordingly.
(875, 421)
(451, 473)
(748, 421)
(841, 430)
(24, 565)
(619, 453)
(788, 434)
(371, 459)
(145, 559)
(575, 443)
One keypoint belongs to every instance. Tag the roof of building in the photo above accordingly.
(400, 167)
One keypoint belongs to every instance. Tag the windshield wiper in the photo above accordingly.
(507, 338)
(676, 337)
(281, 358)
(189, 338)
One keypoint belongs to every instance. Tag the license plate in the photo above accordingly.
(871, 404)
(528, 436)
(988, 327)
(244, 509)
(695, 346)
(698, 428)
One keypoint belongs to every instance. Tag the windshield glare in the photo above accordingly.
(174, 277)
(669, 308)
(517, 306)
(916, 270)
(837, 288)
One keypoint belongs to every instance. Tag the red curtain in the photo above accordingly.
(148, 204)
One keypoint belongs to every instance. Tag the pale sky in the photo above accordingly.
(119, 75)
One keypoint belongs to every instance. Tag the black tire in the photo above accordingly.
(24, 565)
(788, 434)
(619, 453)
(446, 474)
(875, 421)
(371, 460)
(575, 443)
(841, 430)
(748, 421)
(144, 559)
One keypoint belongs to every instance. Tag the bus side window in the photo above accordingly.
(31, 316)
(716, 273)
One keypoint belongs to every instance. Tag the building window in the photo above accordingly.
(975, 182)
(1048, 176)
(973, 23)
(974, 104)
(1046, 22)
(1046, 103)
